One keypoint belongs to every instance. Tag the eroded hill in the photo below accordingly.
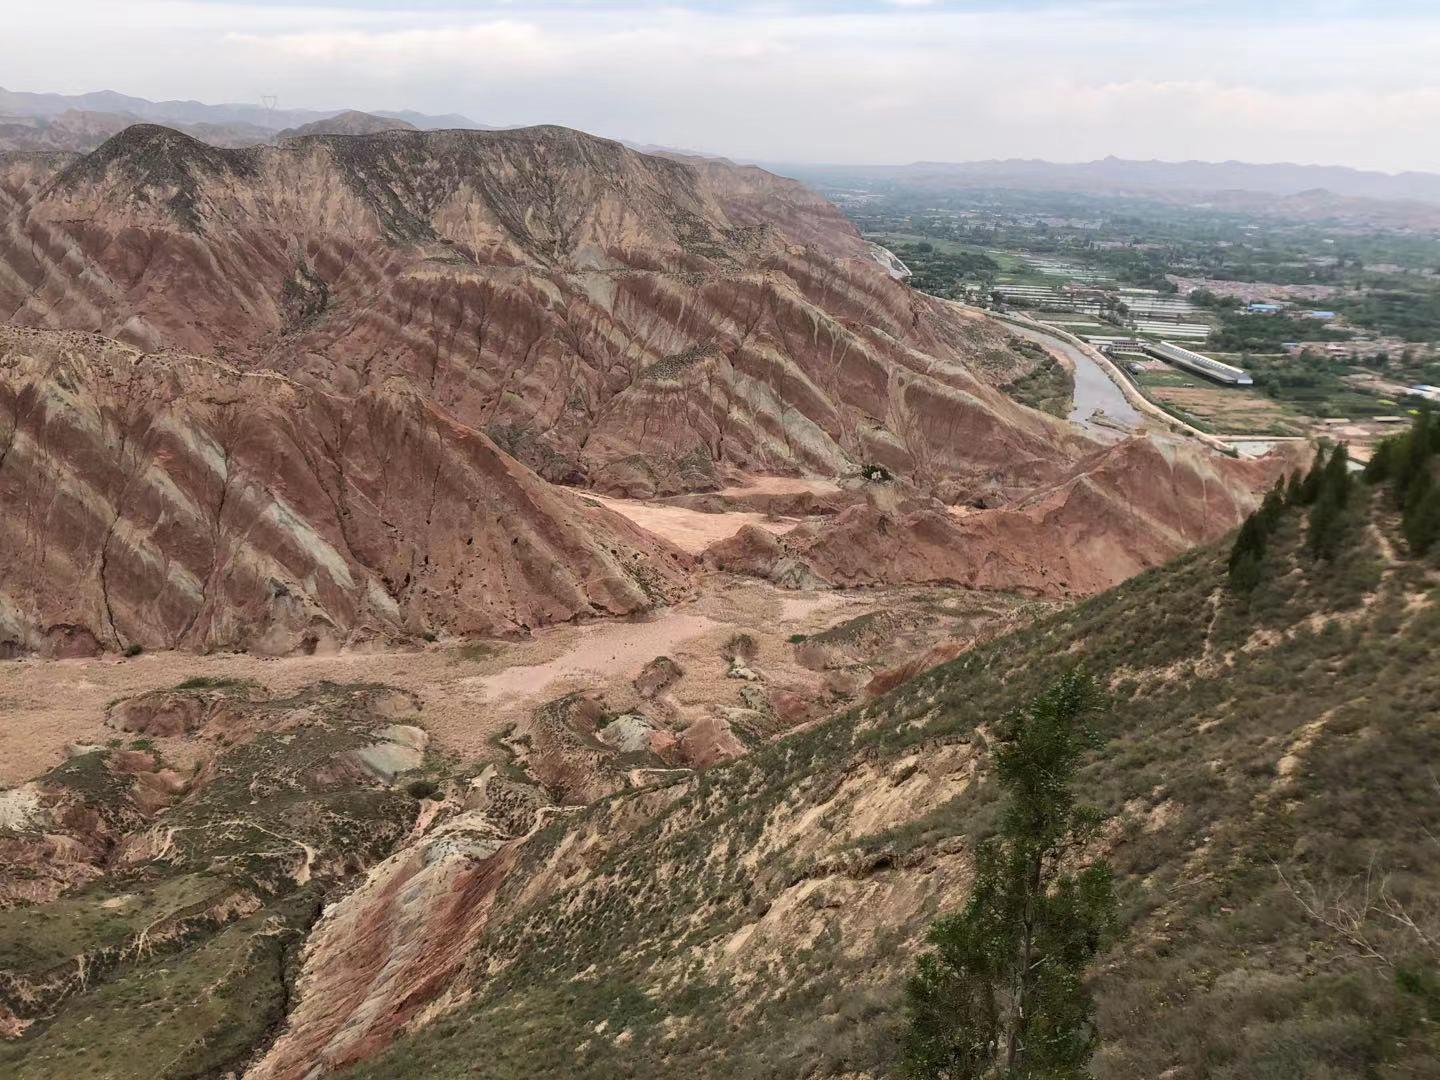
(284, 397)
(610, 317)
(163, 500)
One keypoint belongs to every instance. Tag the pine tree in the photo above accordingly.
(1421, 520)
(1411, 457)
(1246, 554)
(1294, 489)
(1377, 469)
(1323, 537)
(1273, 508)
(1310, 486)
(1246, 572)
(1336, 479)
(1002, 994)
(1327, 512)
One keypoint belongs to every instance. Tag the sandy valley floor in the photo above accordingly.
(470, 690)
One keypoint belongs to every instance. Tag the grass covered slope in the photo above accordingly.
(1269, 756)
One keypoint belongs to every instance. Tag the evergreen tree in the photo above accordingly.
(1247, 553)
(1410, 458)
(1336, 479)
(1327, 513)
(1294, 490)
(1421, 520)
(1273, 508)
(1246, 572)
(1377, 469)
(1001, 995)
(1310, 486)
(1323, 538)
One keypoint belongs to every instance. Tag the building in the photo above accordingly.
(1324, 316)
(1263, 309)
(1200, 365)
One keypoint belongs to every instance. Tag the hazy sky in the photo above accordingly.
(857, 81)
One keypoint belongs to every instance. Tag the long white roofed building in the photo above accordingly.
(1201, 365)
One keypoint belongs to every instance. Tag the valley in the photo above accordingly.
(493, 601)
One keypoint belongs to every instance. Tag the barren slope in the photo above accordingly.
(405, 334)
(611, 317)
(165, 500)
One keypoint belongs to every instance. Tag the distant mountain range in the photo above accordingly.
(1116, 175)
(15, 103)
(78, 123)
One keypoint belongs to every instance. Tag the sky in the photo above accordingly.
(840, 81)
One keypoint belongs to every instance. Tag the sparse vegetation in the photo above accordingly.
(215, 682)
(475, 651)
(1282, 727)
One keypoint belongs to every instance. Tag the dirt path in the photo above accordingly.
(782, 485)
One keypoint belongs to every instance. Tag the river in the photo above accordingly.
(1094, 389)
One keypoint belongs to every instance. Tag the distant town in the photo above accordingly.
(1237, 326)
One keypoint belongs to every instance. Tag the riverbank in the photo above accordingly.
(1127, 390)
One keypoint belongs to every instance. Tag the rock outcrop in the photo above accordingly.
(1122, 510)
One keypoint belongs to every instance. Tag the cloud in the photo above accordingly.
(889, 80)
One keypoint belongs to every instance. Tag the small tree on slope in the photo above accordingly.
(1001, 995)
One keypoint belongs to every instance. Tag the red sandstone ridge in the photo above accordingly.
(168, 500)
(613, 319)
(1122, 510)
(354, 365)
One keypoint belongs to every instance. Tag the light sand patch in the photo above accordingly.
(599, 651)
(799, 606)
(691, 531)
(48, 704)
(782, 485)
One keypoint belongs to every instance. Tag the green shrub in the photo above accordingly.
(422, 789)
(213, 682)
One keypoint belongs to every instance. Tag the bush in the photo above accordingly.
(422, 789)
(212, 682)
(134, 649)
